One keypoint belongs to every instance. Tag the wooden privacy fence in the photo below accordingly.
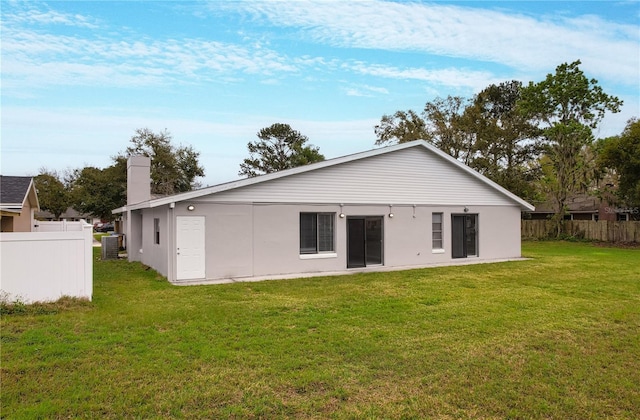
(603, 230)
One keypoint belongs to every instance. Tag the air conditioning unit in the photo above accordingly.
(109, 247)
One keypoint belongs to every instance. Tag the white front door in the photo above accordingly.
(190, 253)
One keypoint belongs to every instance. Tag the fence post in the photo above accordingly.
(87, 233)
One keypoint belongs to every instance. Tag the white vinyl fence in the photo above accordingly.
(61, 226)
(44, 266)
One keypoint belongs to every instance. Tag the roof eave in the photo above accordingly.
(31, 193)
(11, 211)
(190, 195)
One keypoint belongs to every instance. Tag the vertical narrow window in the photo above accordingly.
(156, 231)
(316, 232)
(325, 232)
(436, 231)
(308, 233)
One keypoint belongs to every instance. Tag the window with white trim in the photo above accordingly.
(436, 231)
(317, 233)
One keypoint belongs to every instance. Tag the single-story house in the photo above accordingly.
(408, 205)
(18, 203)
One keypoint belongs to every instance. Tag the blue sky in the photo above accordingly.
(79, 77)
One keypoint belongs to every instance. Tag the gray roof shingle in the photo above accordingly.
(13, 189)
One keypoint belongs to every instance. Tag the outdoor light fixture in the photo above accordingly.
(390, 211)
(191, 207)
(466, 210)
(341, 213)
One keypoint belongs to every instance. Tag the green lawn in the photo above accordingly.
(557, 336)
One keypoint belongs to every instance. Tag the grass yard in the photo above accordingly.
(554, 337)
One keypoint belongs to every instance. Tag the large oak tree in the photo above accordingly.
(97, 191)
(174, 169)
(53, 194)
(487, 133)
(507, 144)
(279, 147)
(442, 123)
(622, 155)
(566, 106)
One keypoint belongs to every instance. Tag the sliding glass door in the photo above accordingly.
(364, 241)
(464, 235)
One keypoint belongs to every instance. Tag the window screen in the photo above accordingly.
(436, 230)
(316, 232)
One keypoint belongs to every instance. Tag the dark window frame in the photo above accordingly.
(317, 233)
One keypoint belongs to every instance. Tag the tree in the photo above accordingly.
(401, 127)
(98, 191)
(566, 107)
(280, 147)
(622, 155)
(173, 169)
(486, 133)
(442, 123)
(53, 195)
(507, 145)
(449, 128)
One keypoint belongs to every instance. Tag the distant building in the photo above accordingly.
(583, 207)
(18, 203)
(70, 215)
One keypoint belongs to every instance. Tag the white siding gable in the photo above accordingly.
(413, 175)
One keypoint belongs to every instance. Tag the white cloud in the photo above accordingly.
(365, 91)
(41, 59)
(528, 45)
(462, 78)
(33, 56)
(517, 40)
(30, 14)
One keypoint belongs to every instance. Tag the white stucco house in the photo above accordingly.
(408, 205)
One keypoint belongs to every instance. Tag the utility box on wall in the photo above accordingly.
(109, 247)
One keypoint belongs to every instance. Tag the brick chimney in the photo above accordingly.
(138, 179)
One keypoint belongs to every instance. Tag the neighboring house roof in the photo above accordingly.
(326, 164)
(15, 191)
(69, 213)
(579, 203)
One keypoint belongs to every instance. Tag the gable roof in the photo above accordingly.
(15, 191)
(324, 164)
